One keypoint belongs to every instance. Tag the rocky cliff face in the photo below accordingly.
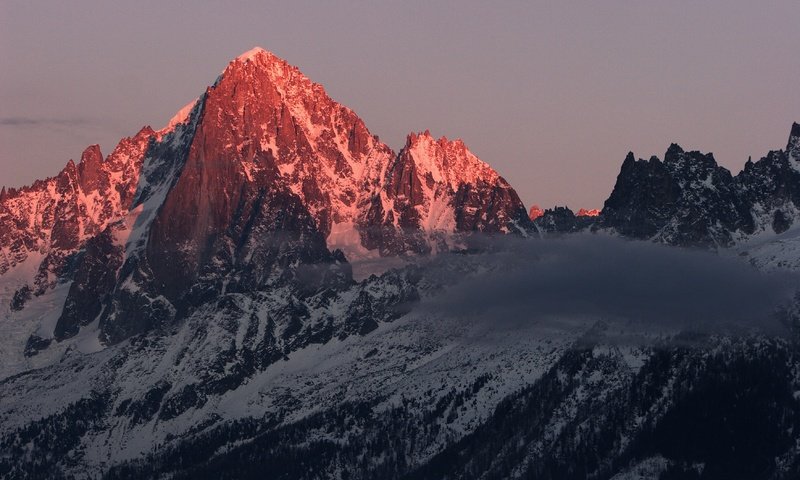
(560, 220)
(588, 212)
(231, 209)
(535, 212)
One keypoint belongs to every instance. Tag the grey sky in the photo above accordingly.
(552, 94)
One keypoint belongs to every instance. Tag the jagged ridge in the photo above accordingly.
(689, 200)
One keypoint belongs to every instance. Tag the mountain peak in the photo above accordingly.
(673, 151)
(424, 139)
(253, 53)
(92, 154)
(447, 160)
(535, 212)
(415, 138)
(793, 147)
(630, 159)
(258, 62)
(261, 58)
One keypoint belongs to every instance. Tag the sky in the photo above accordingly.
(551, 94)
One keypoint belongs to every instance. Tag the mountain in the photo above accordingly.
(560, 220)
(266, 118)
(187, 308)
(536, 212)
(261, 172)
(689, 200)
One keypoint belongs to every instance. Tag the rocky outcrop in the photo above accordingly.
(771, 186)
(93, 281)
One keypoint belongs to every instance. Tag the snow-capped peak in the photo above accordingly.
(267, 62)
(252, 53)
(263, 121)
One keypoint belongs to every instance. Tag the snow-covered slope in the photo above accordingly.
(304, 387)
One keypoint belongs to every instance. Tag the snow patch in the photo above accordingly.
(252, 53)
(179, 118)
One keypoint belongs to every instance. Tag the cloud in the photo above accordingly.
(636, 286)
(42, 121)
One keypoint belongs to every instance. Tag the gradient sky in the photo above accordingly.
(552, 94)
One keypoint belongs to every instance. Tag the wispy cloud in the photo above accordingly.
(45, 121)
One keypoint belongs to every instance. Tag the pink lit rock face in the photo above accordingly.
(434, 188)
(265, 123)
(265, 119)
(588, 213)
(51, 219)
(231, 198)
(535, 212)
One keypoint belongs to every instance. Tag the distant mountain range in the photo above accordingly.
(187, 307)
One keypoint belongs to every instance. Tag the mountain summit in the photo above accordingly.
(362, 195)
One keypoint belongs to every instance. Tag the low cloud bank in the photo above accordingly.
(640, 285)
